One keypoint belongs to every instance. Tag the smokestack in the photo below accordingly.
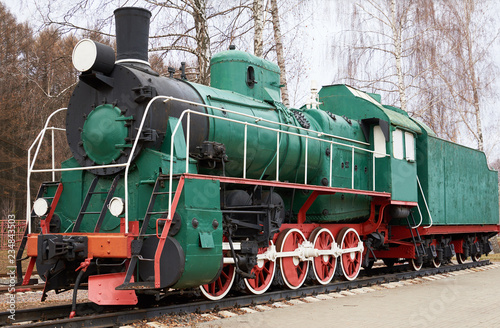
(132, 33)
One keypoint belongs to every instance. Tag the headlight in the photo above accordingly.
(116, 206)
(90, 55)
(41, 207)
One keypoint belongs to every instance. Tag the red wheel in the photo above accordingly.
(264, 274)
(323, 265)
(219, 288)
(351, 261)
(293, 270)
(461, 258)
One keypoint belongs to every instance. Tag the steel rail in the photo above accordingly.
(123, 315)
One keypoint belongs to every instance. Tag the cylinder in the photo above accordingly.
(132, 33)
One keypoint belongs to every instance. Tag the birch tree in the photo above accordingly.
(258, 18)
(467, 71)
(433, 55)
(280, 56)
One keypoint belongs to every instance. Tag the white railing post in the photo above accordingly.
(53, 158)
(132, 151)
(373, 170)
(171, 169)
(305, 173)
(278, 156)
(352, 168)
(188, 132)
(245, 152)
(28, 195)
(331, 163)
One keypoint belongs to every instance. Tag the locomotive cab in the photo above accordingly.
(390, 132)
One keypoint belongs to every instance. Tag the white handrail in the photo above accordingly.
(38, 139)
(421, 218)
(426, 206)
(188, 113)
(260, 119)
(129, 161)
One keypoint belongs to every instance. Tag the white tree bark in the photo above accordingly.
(396, 35)
(203, 51)
(258, 17)
(279, 51)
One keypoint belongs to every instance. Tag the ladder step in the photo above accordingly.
(154, 213)
(164, 193)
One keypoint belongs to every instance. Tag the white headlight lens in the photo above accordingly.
(41, 206)
(84, 55)
(116, 206)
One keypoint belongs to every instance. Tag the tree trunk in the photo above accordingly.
(203, 41)
(474, 83)
(396, 34)
(279, 51)
(258, 18)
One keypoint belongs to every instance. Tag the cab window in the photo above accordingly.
(409, 146)
(397, 144)
(403, 145)
(379, 142)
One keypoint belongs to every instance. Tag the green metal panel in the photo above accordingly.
(345, 100)
(104, 134)
(229, 69)
(202, 244)
(458, 186)
(404, 182)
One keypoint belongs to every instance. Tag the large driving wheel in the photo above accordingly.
(350, 262)
(293, 270)
(264, 274)
(323, 265)
(219, 288)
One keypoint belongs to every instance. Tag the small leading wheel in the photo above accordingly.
(416, 264)
(293, 270)
(264, 274)
(350, 262)
(435, 263)
(323, 265)
(461, 258)
(476, 257)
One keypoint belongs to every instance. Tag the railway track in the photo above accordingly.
(92, 315)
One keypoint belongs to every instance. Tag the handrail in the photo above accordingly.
(188, 113)
(260, 119)
(38, 139)
(425, 202)
(421, 218)
(129, 161)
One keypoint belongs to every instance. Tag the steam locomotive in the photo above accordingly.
(177, 185)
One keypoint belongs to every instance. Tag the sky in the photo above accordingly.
(315, 35)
